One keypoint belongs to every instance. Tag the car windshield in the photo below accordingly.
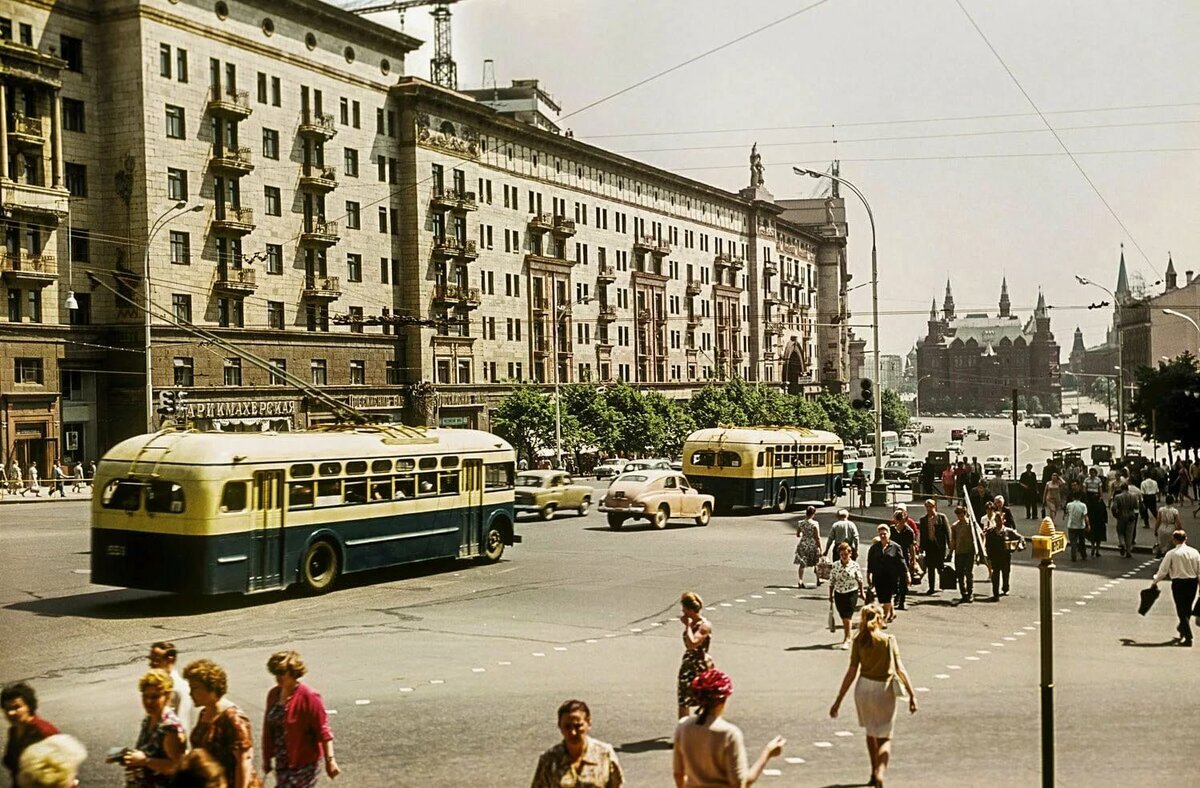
(529, 480)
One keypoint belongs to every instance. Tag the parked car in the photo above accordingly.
(610, 468)
(970, 429)
(896, 479)
(908, 439)
(926, 428)
(996, 462)
(983, 435)
(866, 450)
(646, 465)
(1072, 429)
(903, 463)
(903, 454)
(547, 492)
(677, 464)
(657, 496)
(954, 448)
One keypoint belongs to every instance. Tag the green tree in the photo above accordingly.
(525, 418)
(894, 414)
(712, 406)
(675, 420)
(593, 421)
(1166, 403)
(849, 424)
(638, 428)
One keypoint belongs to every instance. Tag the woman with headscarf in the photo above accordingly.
(697, 637)
(709, 750)
(161, 742)
(876, 657)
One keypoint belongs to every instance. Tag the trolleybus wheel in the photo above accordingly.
(320, 567)
(783, 500)
(493, 544)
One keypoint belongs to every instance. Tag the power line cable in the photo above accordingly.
(693, 59)
(1061, 143)
(965, 157)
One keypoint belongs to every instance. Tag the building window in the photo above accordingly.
(319, 373)
(180, 248)
(464, 370)
(274, 203)
(273, 377)
(392, 370)
(352, 216)
(72, 115)
(81, 247)
(274, 259)
(383, 270)
(231, 313)
(233, 372)
(35, 306)
(270, 144)
(358, 373)
(443, 371)
(82, 314)
(181, 307)
(28, 370)
(351, 167)
(345, 111)
(356, 319)
(181, 71)
(275, 315)
(381, 167)
(262, 88)
(357, 113)
(176, 126)
(76, 175)
(14, 305)
(354, 267)
(71, 50)
(164, 60)
(177, 184)
(184, 371)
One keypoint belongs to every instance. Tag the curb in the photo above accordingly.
(20, 499)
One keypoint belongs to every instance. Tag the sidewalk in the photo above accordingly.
(84, 494)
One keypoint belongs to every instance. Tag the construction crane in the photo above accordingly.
(442, 69)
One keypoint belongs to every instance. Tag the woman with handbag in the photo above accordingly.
(808, 544)
(883, 679)
(845, 589)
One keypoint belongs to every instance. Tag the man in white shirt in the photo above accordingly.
(1181, 565)
(162, 657)
(1149, 488)
(843, 530)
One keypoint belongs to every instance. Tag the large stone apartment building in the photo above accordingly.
(289, 190)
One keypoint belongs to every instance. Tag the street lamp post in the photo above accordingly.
(1176, 313)
(918, 400)
(162, 221)
(878, 487)
(1120, 354)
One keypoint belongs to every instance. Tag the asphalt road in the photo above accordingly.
(449, 675)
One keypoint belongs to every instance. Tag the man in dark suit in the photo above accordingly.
(934, 541)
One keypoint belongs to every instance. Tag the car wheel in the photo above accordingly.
(493, 545)
(783, 500)
(547, 512)
(704, 516)
(320, 567)
(660, 517)
(583, 507)
(615, 521)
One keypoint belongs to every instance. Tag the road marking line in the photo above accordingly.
(972, 658)
(589, 640)
(739, 600)
(539, 654)
(921, 689)
(611, 635)
(1064, 610)
(1057, 613)
(560, 648)
(983, 651)
(479, 670)
(437, 681)
(1027, 628)
(1089, 596)
(1081, 603)
(842, 733)
(823, 744)
(1009, 638)
(772, 593)
(656, 624)
(794, 761)
(941, 675)
(727, 604)
(772, 772)
(634, 629)
(756, 596)
(954, 667)
(331, 711)
(507, 662)
(406, 689)
(362, 702)
(997, 645)
(1019, 634)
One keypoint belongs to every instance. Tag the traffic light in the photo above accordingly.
(166, 402)
(862, 394)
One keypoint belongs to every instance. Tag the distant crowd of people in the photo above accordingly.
(189, 738)
(18, 480)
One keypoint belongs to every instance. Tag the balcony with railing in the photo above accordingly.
(30, 269)
(652, 244)
(27, 131)
(606, 274)
(229, 103)
(235, 160)
(454, 247)
(322, 288)
(564, 226)
(770, 267)
(319, 178)
(47, 204)
(728, 261)
(453, 200)
(607, 314)
(456, 296)
(773, 327)
(317, 124)
(318, 232)
(540, 304)
(693, 319)
(238, 221)
(693, 287)
(541, 222)
(239, 281)
(643, 316)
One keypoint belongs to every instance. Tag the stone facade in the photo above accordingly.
(290, 191)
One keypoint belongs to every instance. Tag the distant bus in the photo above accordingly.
(764, 467)
(1041, 421)
(208, 513)
(891, 441)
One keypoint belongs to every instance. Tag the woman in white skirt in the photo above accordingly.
(877, 657)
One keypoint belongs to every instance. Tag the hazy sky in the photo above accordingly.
(972, 199)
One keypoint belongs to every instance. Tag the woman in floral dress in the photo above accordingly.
(161, 742)
(808, 544)
(296, 732)
(222, 729)
(697, 637)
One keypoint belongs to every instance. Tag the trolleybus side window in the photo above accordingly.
(450, 462)
(122, 494)
(329, 491)
(704, 458)
(762, 458)
(381, 488)
(355, 490)
(330, 469)
(302, 471)
(233, 497)
(164, 497)
(498, 476)
(730, 459)
(427, 483)
(356, 467)
(448, 482)
(381, 466)
(406, 483)
(300, 494)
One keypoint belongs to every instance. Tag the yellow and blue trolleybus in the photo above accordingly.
(207, 513)
(764, 467)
